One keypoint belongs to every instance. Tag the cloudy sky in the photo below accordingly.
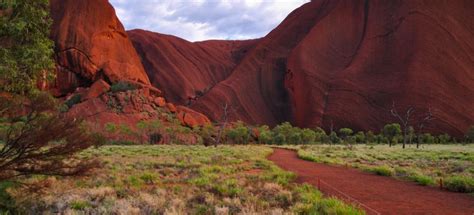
(197, 20)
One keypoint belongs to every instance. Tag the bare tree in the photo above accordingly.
(421, 125)
(223, 123)
(43, 142)
(408, 119)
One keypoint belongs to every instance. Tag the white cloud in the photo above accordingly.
(197, 20)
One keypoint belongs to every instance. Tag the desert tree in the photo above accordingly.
(390, 131)
(470, 134)
(45, 143)
(409, 118)
(345, 134)
(227, 110)
(35, 138)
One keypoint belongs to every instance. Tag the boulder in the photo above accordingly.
(160, 101)
(98, 88)
(191, 118)
(171, 107)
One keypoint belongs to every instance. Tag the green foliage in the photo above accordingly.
(311, 202)
(344, 133)
(360, 137)
(381, 170)
(390, 131)
(295, 137)
(79, 205)
(428, 138)
(76, 99)
(422, 179)
(25, 48)
(110, 127)
(228, 188)
(321, 136)
(239, 134)
(265, 135)
(121, 86)
(6, 201)
(460, 184)
(308, 136)
(470, 134)
(444, 138)
(370, 137)
(334, 138)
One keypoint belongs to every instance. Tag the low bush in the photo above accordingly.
(121, 86)
(79, 205)
(76, 99)
(422, 179)
(460, 184)
(6, 201)
(381, 170)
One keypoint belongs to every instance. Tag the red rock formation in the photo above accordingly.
(346, 62)
(91, 43)
(187, 70)
(191, 118)
(330, 63)
(365, 55)
(98, 88)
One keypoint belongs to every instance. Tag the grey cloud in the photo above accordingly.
(206, 19)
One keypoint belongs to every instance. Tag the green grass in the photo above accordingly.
(453, 164)
(381, 170)
(181, 179)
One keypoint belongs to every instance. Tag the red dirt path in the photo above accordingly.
(382, 194)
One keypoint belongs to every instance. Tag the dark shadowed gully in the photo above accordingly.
(374, 193)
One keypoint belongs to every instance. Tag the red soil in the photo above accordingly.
(374, 193)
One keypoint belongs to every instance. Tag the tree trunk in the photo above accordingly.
(418, 142)
(404, 138)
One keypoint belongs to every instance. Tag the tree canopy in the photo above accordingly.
(26, 51)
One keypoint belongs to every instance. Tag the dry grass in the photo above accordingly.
(178, 180)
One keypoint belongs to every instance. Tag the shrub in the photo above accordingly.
(6, 201)
(121, 142)
(308, 136)
(422, 179)
(265, 136)
(391, 131)
(334, 138)
(239, 134)
(344, 133)
(79, 205)
(76, 99)
(121, 86)
(381, 170)
(460, 184)
(228, 188)
(360, 137)
(444, 138)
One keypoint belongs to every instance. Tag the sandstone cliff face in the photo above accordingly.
(91, 44)
(187, 70)
(366, 55)
(329, 63)
(344, 63)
